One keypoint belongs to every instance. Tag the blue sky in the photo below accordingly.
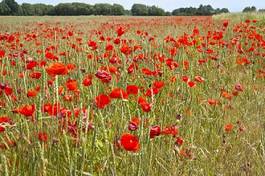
(232, 5)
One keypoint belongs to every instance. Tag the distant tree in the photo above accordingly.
(224, 10)
(14, 7)
(11, 7)
(127, 12)
(155, 11)
(139, 10)
(4, 9)
(203, 10)
(261, 10)
(250, 9)
(168, 14)
(118, 9)
(103, 9)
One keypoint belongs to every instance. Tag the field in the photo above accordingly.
(132, 95)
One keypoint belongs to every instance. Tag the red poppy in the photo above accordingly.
(118, 93)
(226, 95)
(5, 119)
(104, 76)
(146, 107)
(213, 102)
(155, 131)
(2, 53)
(102, 101)
(51, 109)
(172, 130)
(242, 61)
(120, 31)
(185, 78)
(43, 137)
(179, 141)
(134, 124)
(35, 75)
(125, 49)
(225, 23)
(2, 129)
(31, 64)
(152, 91)
(130, 142)
(158, 84)
(51, 56)
(32, 93)
(191, 84)
(57, 69)
(199, 79)
(239, 87)
(92, 45)
(8, 90)
(27, 110)
(132, 89)
(71, 85)
(228, 127)
(87, 81)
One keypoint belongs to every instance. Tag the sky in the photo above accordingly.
(168, 5)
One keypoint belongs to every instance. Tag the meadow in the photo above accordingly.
(132, 95)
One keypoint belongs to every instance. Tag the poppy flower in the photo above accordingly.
(185, 78)
(172, 130)
(191, 84)
(213, 102)
(5, 119)
(104, 76)
(35, 75)
(118, 93)
(102, 101)
(57, 69)
(179, 141)
(226, 95)
(43, 137)
(31, 64)
(199, 79)
(134, 124)
(155, 131)
(27, 110)
(228, 127)
(130, 142)
(51, 56)
(32, 93)
(132, 89)
(146, 107)
(92, 45)
(242, 61)
(239, 87)
(120, 31)
(125, 49)
(2, 129)
(71, 85)
(158, 84)
(225, 23)
(2, 53)
(8, 90)
(152, 91)
(87, 81)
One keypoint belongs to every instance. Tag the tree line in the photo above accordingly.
(11, 7)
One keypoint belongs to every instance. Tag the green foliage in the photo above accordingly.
(250, 9)
(4, 9)
(11, 7)
(203, 10)
(139, 10)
